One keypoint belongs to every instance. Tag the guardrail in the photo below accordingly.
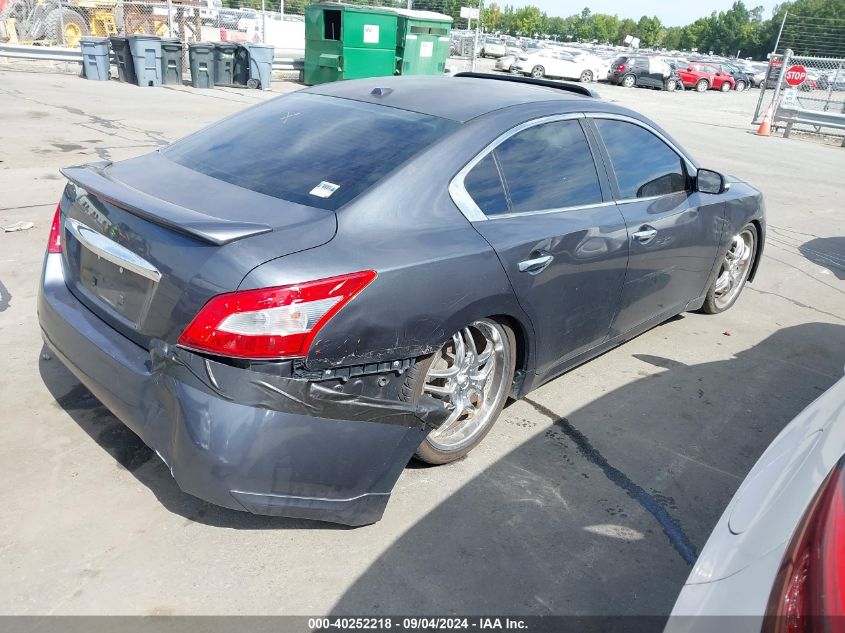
(74, 55)
(816, 118)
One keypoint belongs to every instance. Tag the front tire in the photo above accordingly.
(671, 85)
(471, 375)
(733, 271)
(538, 72)
(741, 86)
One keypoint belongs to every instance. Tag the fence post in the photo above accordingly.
(263, 24)
(62, 22)
(787, 56)
(170, 18)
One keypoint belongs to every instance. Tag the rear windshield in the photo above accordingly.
(315, 150)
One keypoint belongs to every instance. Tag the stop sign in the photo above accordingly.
(795, 75)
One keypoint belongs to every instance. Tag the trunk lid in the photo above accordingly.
(147, 241)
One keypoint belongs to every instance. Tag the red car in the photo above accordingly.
(703, 77)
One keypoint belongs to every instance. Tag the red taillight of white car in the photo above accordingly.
(54, 244)
(809, 591)
(275, 322)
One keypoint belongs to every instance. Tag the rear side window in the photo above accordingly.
(644, 165)
(315, 150)
(544, 167)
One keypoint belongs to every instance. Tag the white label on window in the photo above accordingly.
(371, 34)
(426, 49)
(324, 189)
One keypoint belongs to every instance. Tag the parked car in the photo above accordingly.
(286, 345)
(548, 62)
(703, 77)
(742, 79)
(505, 64)
(644, 71)
(775, 558)
(492, 47)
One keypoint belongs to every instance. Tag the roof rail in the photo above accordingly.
(559, 85)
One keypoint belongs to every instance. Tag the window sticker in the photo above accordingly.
(324, 190)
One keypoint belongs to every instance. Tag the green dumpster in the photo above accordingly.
(347, 42)
(423, 42)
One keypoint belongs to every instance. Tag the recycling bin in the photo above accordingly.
(171, 61)
(95, 58)
(146, 56)
(123, 59)
(201, 62)
(224, 63)
(260, 58)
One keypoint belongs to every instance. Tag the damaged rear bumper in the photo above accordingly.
(235, 437)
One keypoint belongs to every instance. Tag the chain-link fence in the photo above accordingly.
(804, 93)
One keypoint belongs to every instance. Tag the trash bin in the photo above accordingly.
(343, 41)
(95, 57)
(123, 59)
(224, 63)
(146, 55)
(260, 65)
(171, 61)
(201, 62)
(423, 42)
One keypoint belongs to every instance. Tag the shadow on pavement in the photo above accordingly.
(594, 513)
(828, 252)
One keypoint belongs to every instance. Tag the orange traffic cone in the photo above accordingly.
(765, 128)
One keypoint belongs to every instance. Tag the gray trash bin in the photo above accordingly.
(201, 62)
(260, 65)
(224, 63)
(95, 57)
(146, 55)
(171, 61)
(123, 59)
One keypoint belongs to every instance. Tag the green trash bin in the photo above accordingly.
(171, 61)
(95, 58)
(349, 42)
(224, 63)
(201, 63)
(423, 42)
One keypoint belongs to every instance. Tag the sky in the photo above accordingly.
(670, 13)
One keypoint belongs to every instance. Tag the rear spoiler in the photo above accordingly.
(94, 179)
(558, 85)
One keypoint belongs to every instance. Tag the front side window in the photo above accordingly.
(644, 165)
(547, 166)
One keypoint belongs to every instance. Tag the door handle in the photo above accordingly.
(645, 234)
(536, 265)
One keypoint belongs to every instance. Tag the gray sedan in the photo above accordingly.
(291, 304)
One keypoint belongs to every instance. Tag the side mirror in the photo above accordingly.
(709, 181)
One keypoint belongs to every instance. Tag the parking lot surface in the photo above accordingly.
(591, 496)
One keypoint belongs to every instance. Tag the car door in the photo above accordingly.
(642, 72)
(568, 66)
(538, 199)
(674, 232)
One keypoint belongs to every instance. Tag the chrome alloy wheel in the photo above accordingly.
(469, 374)
(734, 270)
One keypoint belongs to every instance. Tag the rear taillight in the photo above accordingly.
(811, 579)
(276, 322)
(54, 244)
(620, 67)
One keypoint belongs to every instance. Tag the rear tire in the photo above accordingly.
(629, 81)
(476, 388)
(75, 27)
(702, 86)
(586, 76)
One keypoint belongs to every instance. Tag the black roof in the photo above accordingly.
(456, 98)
